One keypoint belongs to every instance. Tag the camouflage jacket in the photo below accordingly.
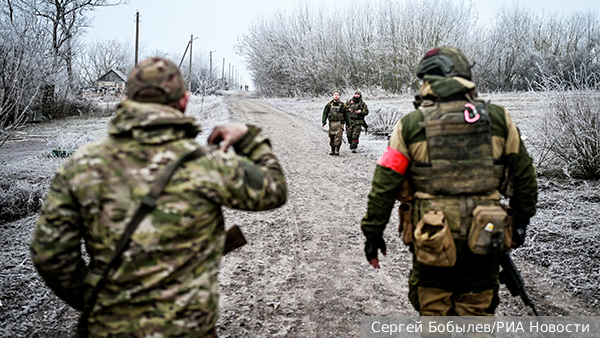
(167, 281)
(408, 144)
(327, 109)
(353, 105)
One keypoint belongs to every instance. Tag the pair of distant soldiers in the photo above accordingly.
(351, 113)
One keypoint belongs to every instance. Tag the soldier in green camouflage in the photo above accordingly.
(335, 111)
(447, 162)
(166, 285)
(357, 110)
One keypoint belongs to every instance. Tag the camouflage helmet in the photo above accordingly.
(445, 61)
(155, 80)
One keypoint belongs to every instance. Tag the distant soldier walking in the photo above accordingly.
(357, 110)
(335, 111)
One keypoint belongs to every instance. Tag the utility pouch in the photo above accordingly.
(487, 234)
(405, 228)
(433, 241)
(508, 229)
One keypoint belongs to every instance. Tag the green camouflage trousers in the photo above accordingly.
(353, 133)
(336, 130)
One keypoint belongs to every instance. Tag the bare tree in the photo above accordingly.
(67, 18)
(102, 56)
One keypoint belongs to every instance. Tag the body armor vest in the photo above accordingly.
(335, 112)
(459, 143)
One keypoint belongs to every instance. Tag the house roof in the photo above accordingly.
(118, 73)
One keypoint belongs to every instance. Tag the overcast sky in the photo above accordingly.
(168, 25)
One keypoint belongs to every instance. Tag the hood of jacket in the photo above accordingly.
(445, 87)
(151, 123)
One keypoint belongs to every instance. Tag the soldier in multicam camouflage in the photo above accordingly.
(166, 285)
(448, 163)
(357, 110)
(335, 111)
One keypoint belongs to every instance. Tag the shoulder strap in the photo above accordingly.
(147, 205)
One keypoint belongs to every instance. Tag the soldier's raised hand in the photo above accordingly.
(227, 135)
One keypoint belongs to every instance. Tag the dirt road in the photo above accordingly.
(303, 273)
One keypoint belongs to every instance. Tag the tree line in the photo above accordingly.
(312, 51)
(46, 64)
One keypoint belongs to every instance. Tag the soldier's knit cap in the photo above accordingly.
(447, 60)
(358, 92)
(155, 80)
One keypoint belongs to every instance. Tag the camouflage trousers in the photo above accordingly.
(439, 302)
(336, 130)
(353, 133)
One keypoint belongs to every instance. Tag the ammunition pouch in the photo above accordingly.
(433, 241)
(467, 218)
(488, 232)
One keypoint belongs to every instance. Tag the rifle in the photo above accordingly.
(511, 277)
(234, 238)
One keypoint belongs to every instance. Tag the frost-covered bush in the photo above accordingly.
(383, 119)
(19, 199)
(571, 133)
(69, 141)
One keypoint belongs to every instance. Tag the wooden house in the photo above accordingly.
(112, 80)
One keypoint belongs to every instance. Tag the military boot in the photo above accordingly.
(332, 150)
(337, 150)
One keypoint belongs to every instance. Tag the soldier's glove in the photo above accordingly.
(372, 245)
(519, 228)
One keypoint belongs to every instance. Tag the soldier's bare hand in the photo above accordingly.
(227, 135)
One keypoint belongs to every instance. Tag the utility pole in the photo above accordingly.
(210, 69)
(137, 35)
(223, 74)
(229, 76)
(190, 76)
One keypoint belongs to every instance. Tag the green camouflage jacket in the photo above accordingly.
(353, 105)
(408, 144)
(167, 281)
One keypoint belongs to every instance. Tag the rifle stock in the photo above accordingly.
(234, 238)
(511, 277)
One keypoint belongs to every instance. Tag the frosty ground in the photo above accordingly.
(303, 273)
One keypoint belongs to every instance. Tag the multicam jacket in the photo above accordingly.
(167, 281)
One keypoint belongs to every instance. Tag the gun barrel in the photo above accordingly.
(513, 280)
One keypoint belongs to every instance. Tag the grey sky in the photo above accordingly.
(168, 25)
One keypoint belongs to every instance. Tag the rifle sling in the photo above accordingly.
(147, 205)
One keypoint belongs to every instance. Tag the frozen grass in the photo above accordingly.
(69, 141)
(565, 236)
(19, 198)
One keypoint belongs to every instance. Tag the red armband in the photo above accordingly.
(395, 160)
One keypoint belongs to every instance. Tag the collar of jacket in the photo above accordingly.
(151, 123)
(445, 87)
